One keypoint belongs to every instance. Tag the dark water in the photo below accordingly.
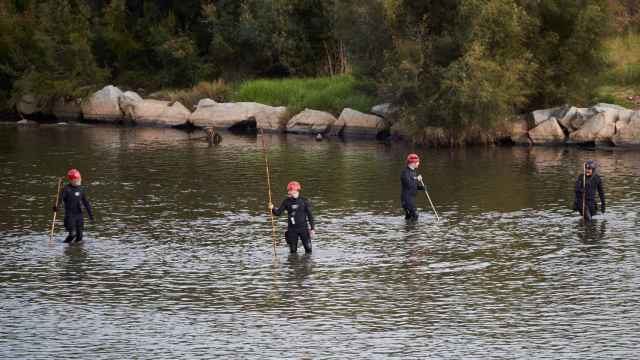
(179, 263)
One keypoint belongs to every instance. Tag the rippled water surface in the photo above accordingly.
(179, 263)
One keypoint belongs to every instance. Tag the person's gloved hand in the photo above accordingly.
(55, 208)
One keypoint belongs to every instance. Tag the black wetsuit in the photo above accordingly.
(594, 183)
(300, 221)
(410, 187)
(74, 198)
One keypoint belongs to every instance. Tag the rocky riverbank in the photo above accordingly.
(602, 124)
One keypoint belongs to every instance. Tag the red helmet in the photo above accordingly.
(73, 174)
(413, 158)
(294, 186)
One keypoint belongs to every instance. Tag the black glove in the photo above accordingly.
(55, 208)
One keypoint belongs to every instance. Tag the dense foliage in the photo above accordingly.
(445, 62)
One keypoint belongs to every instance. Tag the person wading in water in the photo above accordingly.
(411, 183)
(301, 224)
(73, 198)
(586, 186)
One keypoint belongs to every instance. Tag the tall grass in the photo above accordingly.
(217, 90)
(331, 94)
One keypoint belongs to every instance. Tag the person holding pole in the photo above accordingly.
(73, 197)
(411, 184)
(586, 186)
(301, 224)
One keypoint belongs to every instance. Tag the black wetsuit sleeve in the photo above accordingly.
(87, 206)
(601, 192)
(310, 217)
(406, 180)
(279, 210)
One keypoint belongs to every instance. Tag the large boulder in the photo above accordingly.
(132, 95)
(28, 105)
(352, 123)
(540, 116)
(604, 107)
(227, 115)
(311, 122)
(599, 129)
(548, 132)
(628, 132)
(519, 132)
(581, 117)
(154, 112)
(67, 110)
(103, 105)
(385, 110)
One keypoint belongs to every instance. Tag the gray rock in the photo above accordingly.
(352, 123)
(628, 132)
(28, 105)
(154, 112)
(25, 122)
(226, 115)
(103, 105)
(605, 106)
(548, 132)
(385, 110)
(599, 129)
(540, 116)
(519, 132)
(311, 122)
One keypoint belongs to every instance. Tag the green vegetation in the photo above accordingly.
(326, 93)
(622, 80)
(456, 64)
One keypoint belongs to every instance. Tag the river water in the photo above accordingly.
(179, 262)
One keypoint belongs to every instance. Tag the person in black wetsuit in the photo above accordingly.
(73, 198)
(301, 224)
(588, 192)
(411, 183)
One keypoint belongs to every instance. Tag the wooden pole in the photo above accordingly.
(584, 191)
(55, 213)
(430, 202)
(266, 163)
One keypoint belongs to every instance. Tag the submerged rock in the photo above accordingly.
(103, 105)
(311, 122)
(548, 132)
(519, 132)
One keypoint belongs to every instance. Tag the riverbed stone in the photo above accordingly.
(154, 112)
(25, 122)
(548, 132)
(598, 129)
(628, 132)
(353, 123)
(103, 105)
(226, 115)
(311, 122)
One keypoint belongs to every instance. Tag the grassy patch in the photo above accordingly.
(217, 90)
(331, 94)
(623, 78)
